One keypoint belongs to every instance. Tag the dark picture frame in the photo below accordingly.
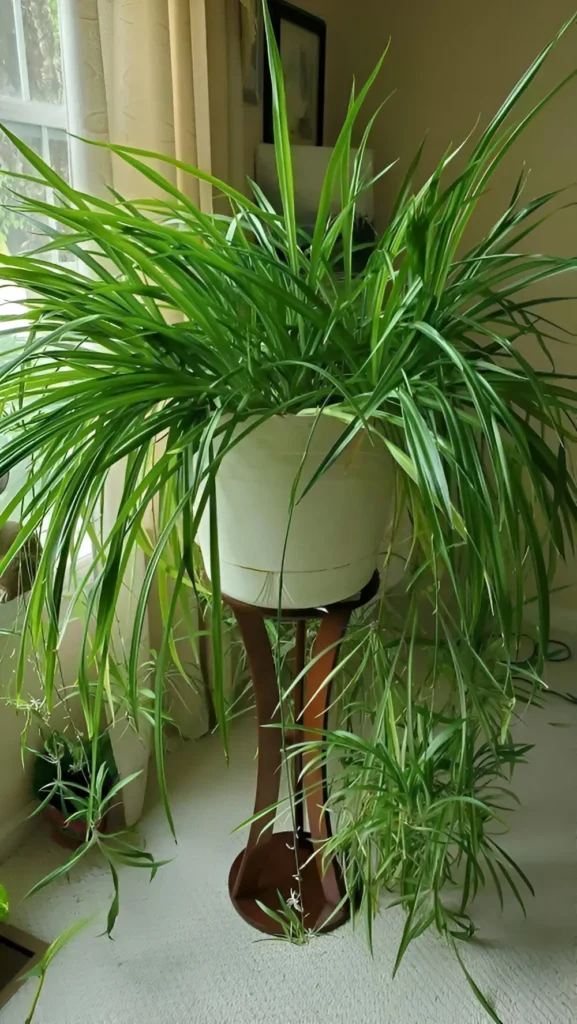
(302, 41)
(252, 52)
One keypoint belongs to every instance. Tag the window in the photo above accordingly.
(32, 105)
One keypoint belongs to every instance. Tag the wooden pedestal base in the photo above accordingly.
(268, 865)
(278, 868)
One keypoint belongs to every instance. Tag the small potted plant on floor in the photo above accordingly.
(77, 783)
(62, 782)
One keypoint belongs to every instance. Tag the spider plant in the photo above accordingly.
(61, 779)
(4, 904)
(41, 968)
(63, 782)
(169, 327)
(419, 792)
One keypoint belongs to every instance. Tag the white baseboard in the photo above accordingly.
(15, 832)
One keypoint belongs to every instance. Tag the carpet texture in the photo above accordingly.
(181, 955)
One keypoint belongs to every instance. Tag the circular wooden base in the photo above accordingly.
(274, 862)
(268, 865)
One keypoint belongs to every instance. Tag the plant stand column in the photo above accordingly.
(269, 864)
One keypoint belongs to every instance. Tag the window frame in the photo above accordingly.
(45, 117)
(23, 109)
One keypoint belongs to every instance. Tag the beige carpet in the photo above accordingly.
(181, 955)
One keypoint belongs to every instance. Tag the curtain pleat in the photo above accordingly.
(183, 93)
(162, 75)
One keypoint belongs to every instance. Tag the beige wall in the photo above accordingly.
(452, 62)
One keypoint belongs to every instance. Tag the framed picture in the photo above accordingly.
(301, 39)
(251, 40)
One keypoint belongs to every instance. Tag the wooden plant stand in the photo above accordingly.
(268, 864)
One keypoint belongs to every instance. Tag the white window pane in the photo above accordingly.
(31, 134)
(12, 483)
(9, 68)
(12, 303)
(59, 156)
(17, 233)
(43, 58)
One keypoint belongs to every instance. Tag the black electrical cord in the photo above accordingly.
(557, 651)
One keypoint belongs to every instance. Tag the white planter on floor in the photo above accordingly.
(131, 751)
(336, 530)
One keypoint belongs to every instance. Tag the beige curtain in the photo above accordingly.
(163, 75)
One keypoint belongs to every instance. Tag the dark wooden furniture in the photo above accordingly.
(19, 953)
(268, 864)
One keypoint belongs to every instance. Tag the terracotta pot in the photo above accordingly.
(71, 834)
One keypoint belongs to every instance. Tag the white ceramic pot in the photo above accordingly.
(131, 751)
(336, 530)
